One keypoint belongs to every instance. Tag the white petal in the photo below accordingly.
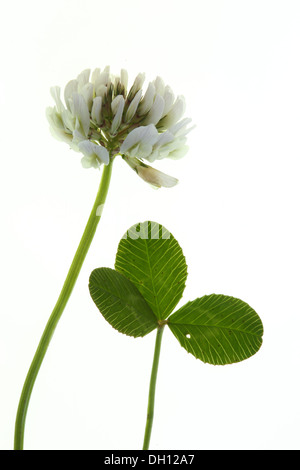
(177, 144)
(94, 152)
(89, 162)
(144, 149)
(124, 78)
(54, 118)
(55, 93)
(86, 147)
(95, 75)
(150, 134)
(78, 137)
(104, 78)
(147, 100)
(179, 128)
(156, 111)
(151, 175)
(164, 138)
(96, 110)
(118, 117)
(56, 126)
(83, 78)
(137, 85)
(169, 98)
(133, 106)
(68, 120)
(100, 90)
(155, 177)
(80, 110)
(102, 154)
(147, 134)
(132, 139)
(115, 103)
(175, 113)
(70, 88)
(154, 155)
(117, 83)
(168, 146)
(133, 151)
(62, 136)
(159, 86)
(87, 92)
(179, 152)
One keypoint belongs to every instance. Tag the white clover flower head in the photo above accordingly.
(101, 119)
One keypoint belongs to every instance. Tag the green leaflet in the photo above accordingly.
(121, 303)
(152, 259)
(218, 329)
(147, 284)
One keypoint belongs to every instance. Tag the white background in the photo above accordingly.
(235, 214)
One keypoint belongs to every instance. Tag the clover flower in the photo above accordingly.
(101, 119)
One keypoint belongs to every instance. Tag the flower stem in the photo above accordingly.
(64, 296)
(151, 397)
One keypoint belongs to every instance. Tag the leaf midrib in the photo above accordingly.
(153, 289)
(215, 326)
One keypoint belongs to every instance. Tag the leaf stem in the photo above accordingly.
(64, 296)
(151, 397)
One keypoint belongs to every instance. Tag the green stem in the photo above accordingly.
(66, 291)
(151, 398)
